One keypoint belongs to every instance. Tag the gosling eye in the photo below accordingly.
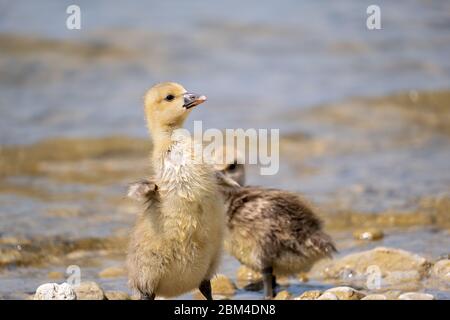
(169, 97)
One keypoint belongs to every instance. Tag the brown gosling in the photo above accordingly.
(269, 230)
(176, 243)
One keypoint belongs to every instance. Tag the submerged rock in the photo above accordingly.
(112, 272)
(376, 268)
(416, 296)
(89, 291)
(222, 285)
(54, 291)
(370, 234)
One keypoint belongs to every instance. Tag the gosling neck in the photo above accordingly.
(162, 138)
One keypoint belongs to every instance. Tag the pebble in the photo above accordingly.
(112, 272)
(328, 296)
(309, 295)
(375, 297)
(54, 291)
(346, 293)
(222, 285)
(392, 294)
(370, 234)
(117, 295)
(283, 295)
(89, 291)
(416, 296)
(441, 269)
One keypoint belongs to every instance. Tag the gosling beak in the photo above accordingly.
(192, 100)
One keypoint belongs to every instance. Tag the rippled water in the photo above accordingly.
(254, 60)
(261, 65)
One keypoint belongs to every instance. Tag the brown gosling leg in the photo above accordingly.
(145, 296)
(268, 281)
(205, 289)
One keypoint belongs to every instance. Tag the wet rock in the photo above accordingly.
(283, 295)
(55, 275)
(392, 294)
(375, 297)
(376, 268)
(112, 272)
(309, 295)
(302, 277)
(328, 296)
(86, 254)
(402, 280)
(246, 276)
(370, 234)
(416, 296)
(346, 293)
(10, 256)
(441, 269)
(117, 295)
(89, 291)
(54, 291)
(282, 280)
(222, 285)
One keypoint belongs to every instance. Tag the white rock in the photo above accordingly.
(375, 297)
(54, 291)
(416, 296)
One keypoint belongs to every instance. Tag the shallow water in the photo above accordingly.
(253, 60)
(294, 67)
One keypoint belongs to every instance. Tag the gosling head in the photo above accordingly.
(235, 171)
(168, 104)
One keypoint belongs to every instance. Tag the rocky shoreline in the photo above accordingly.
(377, 274)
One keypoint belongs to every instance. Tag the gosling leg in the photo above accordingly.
(205, 289)
(268, 281)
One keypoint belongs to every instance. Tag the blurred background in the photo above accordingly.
(364, 119)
